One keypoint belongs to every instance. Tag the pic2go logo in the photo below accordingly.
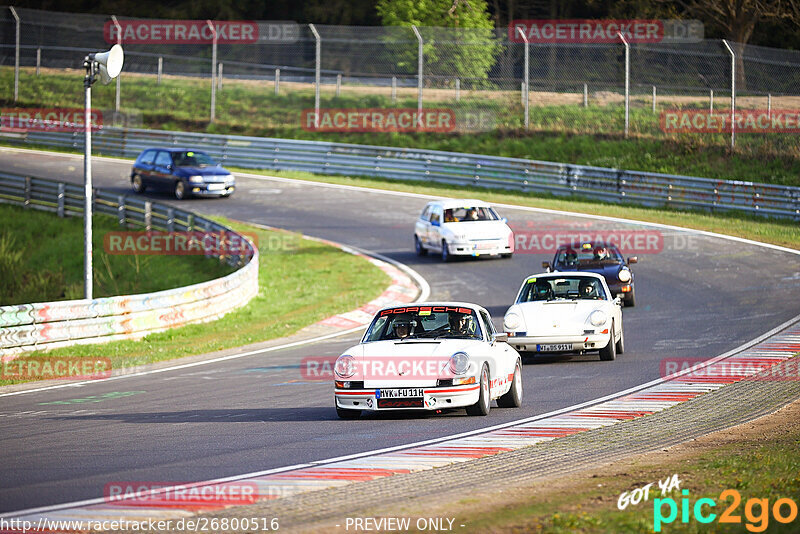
(756, 511)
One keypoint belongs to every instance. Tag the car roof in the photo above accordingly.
(591, 244)
(175, 149)
(561, 274)
(449, 203)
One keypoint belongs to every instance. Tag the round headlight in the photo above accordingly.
(598, 317)
(196, 179)
(345, 366)
(624, 275)
(511, 321)
(459, 363)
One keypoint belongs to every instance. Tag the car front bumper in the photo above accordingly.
(586, 342)
(482, 248)
(202, 190)
(434, 398)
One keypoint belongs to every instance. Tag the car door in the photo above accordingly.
(421, 226)
(435, 228)
(162, 170)
(144, 166)
(503, 364)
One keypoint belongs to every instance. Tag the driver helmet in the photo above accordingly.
(586, 288)
(403, 326)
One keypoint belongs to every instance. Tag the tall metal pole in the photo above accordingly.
(733, 93)
(526, 92)
(318, 63)
(419, 75)
(16, 55)
(87, 178)
(119, 42)
(213, 70)
(627, 80)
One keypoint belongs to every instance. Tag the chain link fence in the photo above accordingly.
(374, 78)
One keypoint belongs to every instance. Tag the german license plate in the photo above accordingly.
(401, 393)
(215, 187)
(554, 347)
(484, 246)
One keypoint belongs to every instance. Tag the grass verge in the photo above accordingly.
(38, 262)
(300, 282)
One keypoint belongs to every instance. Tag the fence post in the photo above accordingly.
(170, 219)
(148, 215)
(338, 84)
(277, 82)
(61, 191)
(318, 66)
(769, 105)
(711, 101)
(526, 88)
(119, 78)
(213, 70)
(585, 95)
(219, 76)
(16, 53)
(654, 99)
(160, 69)
(627, 79)
(733, 93)
(419, 74)
(38, 60)
(394, 89)
(27, 192)
(458, 90)
(121, 209)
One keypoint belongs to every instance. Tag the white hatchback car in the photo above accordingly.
(566, 312)
(430, 356)
(462, 227)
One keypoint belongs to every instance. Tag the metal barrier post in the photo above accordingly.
(769, 105)
(627, 79)
(526, 91)
(317, 67)
(219, 76)
(654, 99)
(458, 90)
(148, 215)
(420, 65)
(27, 191)
(277, 82)
(711, 101)
(733, 93)
(121, 210)
(394, 89)
(61, 191)
(213, 70)
(338, 85)
(16, 53)
(160, 69)
(585, 95)
(38, 60)
(119, 42)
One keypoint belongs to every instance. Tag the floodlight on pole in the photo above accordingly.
(106, 66)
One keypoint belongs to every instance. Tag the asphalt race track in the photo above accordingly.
(697, 297)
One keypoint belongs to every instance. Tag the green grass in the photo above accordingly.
(300, 282)
(41, 260)
(564, 133)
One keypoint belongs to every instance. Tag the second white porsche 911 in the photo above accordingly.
(566, 312)
(430, 356)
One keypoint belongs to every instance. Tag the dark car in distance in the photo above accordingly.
(602, 258)
(184, 172)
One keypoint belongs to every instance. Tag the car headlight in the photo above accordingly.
(511, 321)
(459, 363)
(598, 317)
(345, 366)
(228, 178)
(196, 179)
(624, 275)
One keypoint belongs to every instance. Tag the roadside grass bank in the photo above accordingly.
(300, 282)
(777, 232)
(757, 459)
(41, 260)
(559, 132)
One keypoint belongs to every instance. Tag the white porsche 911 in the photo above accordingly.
(462, 227)
(566, 312)
(430, 356)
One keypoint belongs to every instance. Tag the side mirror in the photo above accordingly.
(546, 266)
(500, 337)
(435, 223)
(618, 300)
(170, 166)
(505, 220)
(633, 259)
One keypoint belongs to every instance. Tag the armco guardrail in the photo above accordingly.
(28, 327)
(610, 185)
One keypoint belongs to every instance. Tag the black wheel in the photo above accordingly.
(621, 342)
(609, 352)
(513, 399)
(344, 413)
(630, 300)
(137, 184)
(180, 190)
(484, 400)
(421, 251)
(445, 252)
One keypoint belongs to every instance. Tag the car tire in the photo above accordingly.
(630, 300)
(137, 184)
(609, 352)
(421, 251)
(345, 413)
(621, 342)
(180, 190)
(513, 398)
(445, 252)
(506, 256)
(483, 405)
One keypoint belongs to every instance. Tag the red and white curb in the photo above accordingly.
(772, 348)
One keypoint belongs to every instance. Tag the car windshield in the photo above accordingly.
(562, 288)
(588, 254)
(469, 214)
(192, 159)
(420, 322)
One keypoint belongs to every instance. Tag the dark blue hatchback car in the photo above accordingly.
(182, 171)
